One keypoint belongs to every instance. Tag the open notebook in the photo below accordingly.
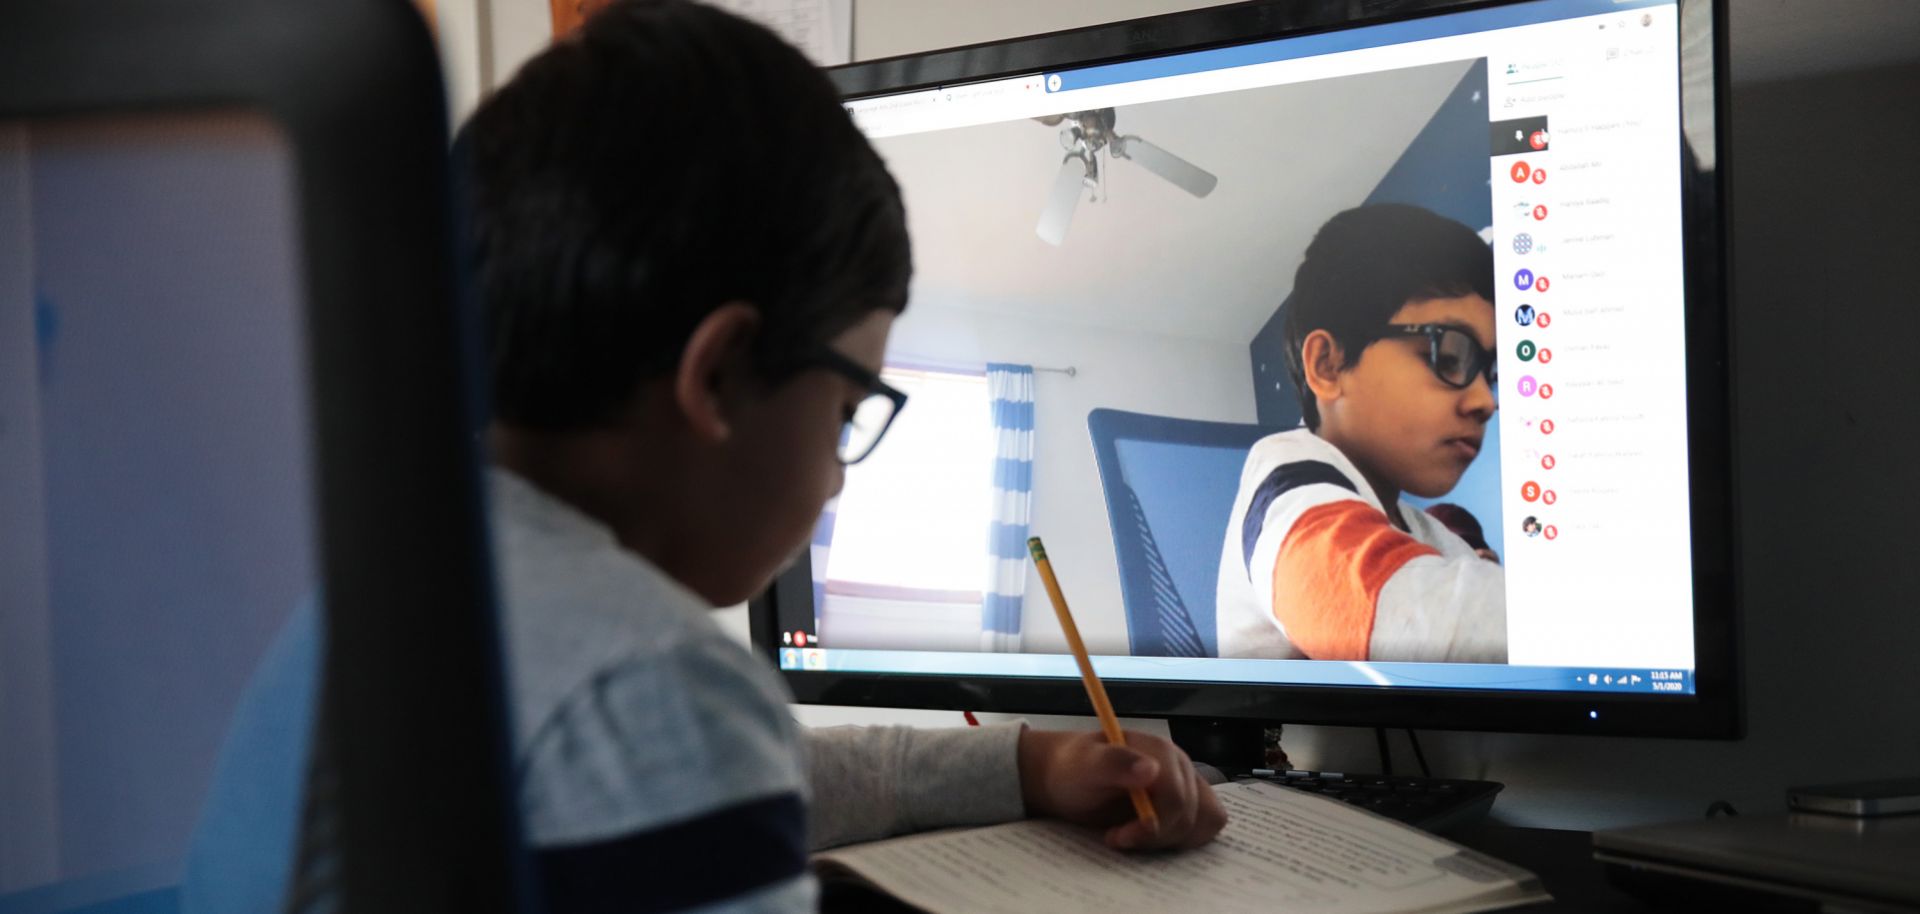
(1282, 850)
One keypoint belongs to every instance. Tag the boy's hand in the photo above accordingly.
(1078, 777)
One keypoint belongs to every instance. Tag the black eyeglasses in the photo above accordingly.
(1453, 354)
(869, 421)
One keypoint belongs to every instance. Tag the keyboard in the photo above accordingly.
(1431, 804)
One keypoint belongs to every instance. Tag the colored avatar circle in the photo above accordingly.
(1530, 491)
(1521, 173)
(1525, 350)
(1526, 386)
(1523, 279)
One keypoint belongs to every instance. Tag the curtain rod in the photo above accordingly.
(915, 363)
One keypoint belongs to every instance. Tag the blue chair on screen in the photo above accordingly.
(1169, 485)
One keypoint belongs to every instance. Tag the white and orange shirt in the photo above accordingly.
(1312, 568)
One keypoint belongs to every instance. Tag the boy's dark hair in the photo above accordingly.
(664, 160)
(1367, 263)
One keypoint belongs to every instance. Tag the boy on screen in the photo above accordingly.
(1390, 335)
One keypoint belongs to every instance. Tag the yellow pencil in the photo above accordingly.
(1109, 723)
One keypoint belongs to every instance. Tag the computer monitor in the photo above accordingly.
(1110, 330)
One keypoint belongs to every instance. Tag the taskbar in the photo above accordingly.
(1248, 671)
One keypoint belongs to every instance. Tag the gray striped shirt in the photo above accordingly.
(635, 715)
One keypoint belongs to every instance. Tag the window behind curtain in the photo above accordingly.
(910, 539)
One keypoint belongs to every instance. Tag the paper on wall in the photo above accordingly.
(822, 29)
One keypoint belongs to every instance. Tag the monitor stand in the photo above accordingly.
(1233, 746)
(1236, 748)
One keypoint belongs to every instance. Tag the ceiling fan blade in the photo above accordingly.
(1184, 174)
(1068, 186)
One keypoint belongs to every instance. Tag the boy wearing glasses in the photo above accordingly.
(684, 334)
(1390, 336)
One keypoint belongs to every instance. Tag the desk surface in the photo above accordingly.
(1562, 859)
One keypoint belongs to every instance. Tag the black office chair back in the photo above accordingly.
(224, 241)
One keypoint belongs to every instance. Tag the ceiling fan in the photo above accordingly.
(1086, 135)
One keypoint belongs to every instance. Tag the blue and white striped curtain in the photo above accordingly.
(1010, 390)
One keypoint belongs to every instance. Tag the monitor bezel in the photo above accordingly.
(1715, 709)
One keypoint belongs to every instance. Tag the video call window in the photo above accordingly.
(1343, 358)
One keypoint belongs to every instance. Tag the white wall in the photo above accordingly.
(492, 38)
(881, 28)
(521, 29)
(459, 31)
(1191, 379)
(887, 28)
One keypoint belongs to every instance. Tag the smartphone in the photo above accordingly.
(1861, 798)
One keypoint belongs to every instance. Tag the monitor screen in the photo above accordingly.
(1351, 359)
